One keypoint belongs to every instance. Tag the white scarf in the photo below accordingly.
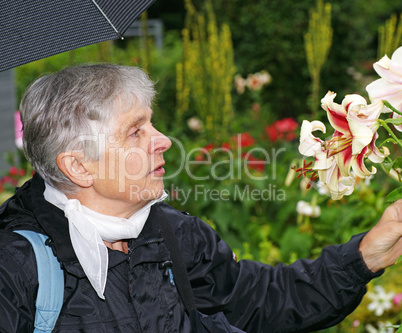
(88, 229)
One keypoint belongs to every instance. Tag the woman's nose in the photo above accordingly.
(159, 143)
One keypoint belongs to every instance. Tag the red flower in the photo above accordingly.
(272, 133)
(204, 151)
(246, 140)
(286, 125)
(226, 145)
(21, 172)
(255, 163)
(5, 180)
(209, 147)
(283, 129)
(13, 171)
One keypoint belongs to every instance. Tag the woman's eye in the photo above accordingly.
(136, 132)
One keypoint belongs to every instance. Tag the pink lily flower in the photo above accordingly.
(355, 125)
(325, 164)
(389, 87)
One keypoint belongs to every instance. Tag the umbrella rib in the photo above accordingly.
(100, 9)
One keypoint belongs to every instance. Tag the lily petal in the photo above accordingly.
(331, 179)
(359, 168)
(309, 144)
(381, 89)
(322, 162)
(362, 136)
(336, 113)
(354, 102)
(392, 74)
(344, 161)
(375, 155)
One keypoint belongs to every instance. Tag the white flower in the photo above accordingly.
(382, 328)
(389, 87)
(381, 301)
(240, 84)
(367, 181)
(195, 124)
(322, 188)
(304, 208)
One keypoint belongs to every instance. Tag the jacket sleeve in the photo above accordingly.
(18, 283)
(305, 296)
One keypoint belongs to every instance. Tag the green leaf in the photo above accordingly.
(399, 329)
(396, 121)
(388, 162)
(398, 261)
(394, 195)
(387, 140)
(397, 163)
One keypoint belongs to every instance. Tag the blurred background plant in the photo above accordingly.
(390, 36)
(205, 74)
(317, 41)
(234, 81)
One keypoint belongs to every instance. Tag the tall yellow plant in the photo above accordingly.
(317, 41)
(390, 36)
(205, 75)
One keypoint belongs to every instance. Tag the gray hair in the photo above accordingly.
(59, 110)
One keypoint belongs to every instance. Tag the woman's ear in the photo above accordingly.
(70, 163)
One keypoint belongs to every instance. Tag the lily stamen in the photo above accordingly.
(313, 177)
(341, 143)
(306, 168)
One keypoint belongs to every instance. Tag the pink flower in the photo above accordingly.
(257, 80)
(240, 84)
(389, 87)
(253, 82)
(355, 125)
(397, 300)
(256, 107)
(18, 129)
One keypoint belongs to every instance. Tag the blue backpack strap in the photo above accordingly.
(51, 282)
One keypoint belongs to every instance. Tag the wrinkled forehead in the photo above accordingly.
(122, 122)
(127, 100)
(128, 104)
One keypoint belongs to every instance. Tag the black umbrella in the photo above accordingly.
(35, 29)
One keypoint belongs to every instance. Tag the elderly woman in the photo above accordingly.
(97, 194)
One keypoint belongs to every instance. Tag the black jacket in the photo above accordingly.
(304, 296)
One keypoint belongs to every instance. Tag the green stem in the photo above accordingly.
(384, 124)
(389, 106)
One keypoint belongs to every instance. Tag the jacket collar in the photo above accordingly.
(53, 222)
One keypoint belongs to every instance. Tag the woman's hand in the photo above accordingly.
(382, 245)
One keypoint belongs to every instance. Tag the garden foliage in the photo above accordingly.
(233, 87)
